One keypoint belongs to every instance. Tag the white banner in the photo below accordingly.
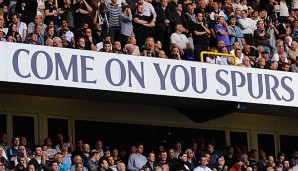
(24, 63)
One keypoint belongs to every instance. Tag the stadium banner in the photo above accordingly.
(44, 65)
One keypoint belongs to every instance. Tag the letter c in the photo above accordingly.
(15, 63)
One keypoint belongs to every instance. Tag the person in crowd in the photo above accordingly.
(181, 163)
(57, 42)
(4, 162)
(143, 26)
(229, 157)
(163, 24)
(77, 160)
(82, 10)
(64, 41)
(52, 14)
(106, 47)
(32, 39)
(248, 26)
(85, 152)
(22, 164)
(216, 10)
(116, 48)
(103, 165)
(116, 156)
(121, 166)
(213, 59)
(12, 31)
(79, 148)
(236, 31)
(68, 33)
(284, 29)
(81, 44)
(214, 154)
(191, 161)
(200, 36)
(203, 165)
(271, 11)
(151, 164)
(38, 161)
(272, 31)
(222, 31)
(261, 37)
(38, 20)
(99, 46)
(111, 163)
(180, 19)
(66, 155)
(21, 26)
(68, 15)
(12, 152)
(294, 68)
(132, 41)
(125, 18)
(49, 42)
(4, 141)
(129, 49)
(114, 10)
(280, 53)
(49, 34)
(221, 164)
(180, 41)
(38, 32)
(89, 39)
(136, 160)
(92, 162)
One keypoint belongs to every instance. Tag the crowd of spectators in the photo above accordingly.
(195, 156)
(264, 38)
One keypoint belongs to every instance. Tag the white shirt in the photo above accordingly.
(295, 4)
(199, 168)
(275, 57)
(190, 39)
(180, 40)
(283, 9)
(238, 60)
(244, 7)
(221, 13)
(235, 5)
(216, 60)
(148, 9)
(23, 26)
(248, 25)
(39, 3)
(295, 168)
(233, 53)
(69, 34)
(224, 60)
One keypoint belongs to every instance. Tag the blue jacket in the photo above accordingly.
(236, 34)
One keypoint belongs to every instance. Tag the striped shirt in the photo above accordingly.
(113, 12)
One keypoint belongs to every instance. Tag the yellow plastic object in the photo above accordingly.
(216, 53)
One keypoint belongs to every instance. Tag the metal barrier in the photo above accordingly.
(216, 53)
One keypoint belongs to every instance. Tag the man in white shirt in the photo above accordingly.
(148, 9)
(180, 40)
(203, 165)
(283, 11)
(236, 45)
(280, 52)
(21, 26)
(248, 26)
(216, 11)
